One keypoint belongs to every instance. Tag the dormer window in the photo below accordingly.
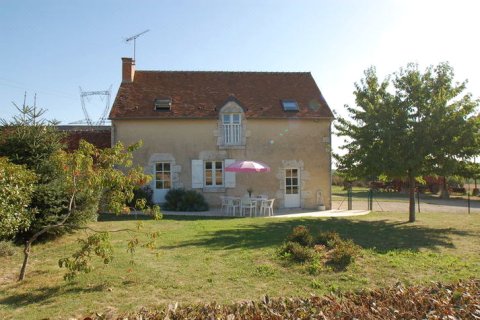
(232, 128)
(163, 104)
(290, 105)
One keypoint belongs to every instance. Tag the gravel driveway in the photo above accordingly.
(428, 205)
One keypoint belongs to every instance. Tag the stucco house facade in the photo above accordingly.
(193, 124)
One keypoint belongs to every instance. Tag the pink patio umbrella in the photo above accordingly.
(248, 166)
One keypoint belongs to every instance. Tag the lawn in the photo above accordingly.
(225, 260)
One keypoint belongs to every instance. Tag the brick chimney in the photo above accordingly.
(128, 70)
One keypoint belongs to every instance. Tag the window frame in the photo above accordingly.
(162, 172)
(214, 171)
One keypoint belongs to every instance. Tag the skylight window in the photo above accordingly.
(163, 104)
(289, 105)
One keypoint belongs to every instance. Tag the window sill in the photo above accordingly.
(213, 189)
(232, 147)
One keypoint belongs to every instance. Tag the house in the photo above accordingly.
(193, 124)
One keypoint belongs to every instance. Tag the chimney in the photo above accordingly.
(128, 70)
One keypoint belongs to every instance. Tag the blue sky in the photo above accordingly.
(52, 47)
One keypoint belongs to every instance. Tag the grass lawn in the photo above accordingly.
(225, 260)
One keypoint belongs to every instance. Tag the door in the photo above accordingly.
(163, 181)
(292, 188)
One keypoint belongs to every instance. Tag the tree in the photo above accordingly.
(93, 174)
(16, 188)
(408, 125)
(31, 140)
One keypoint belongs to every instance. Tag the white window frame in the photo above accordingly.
(214, 172)
(232, 129)
(162, 171)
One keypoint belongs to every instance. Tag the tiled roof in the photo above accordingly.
(99, 138)
(198, 94)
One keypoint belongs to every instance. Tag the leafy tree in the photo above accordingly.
(16, 188)
(31, 140)
(410, 124)
(92, 174)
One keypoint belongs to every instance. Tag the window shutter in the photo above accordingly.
(197, 174)
(229, 176)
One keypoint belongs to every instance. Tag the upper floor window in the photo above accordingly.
(232, 128)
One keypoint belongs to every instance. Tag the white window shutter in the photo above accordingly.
(197, 174)
(229, 176)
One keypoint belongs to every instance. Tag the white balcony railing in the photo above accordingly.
(232, 134)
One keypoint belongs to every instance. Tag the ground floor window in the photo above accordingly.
(163, 175)
(213, 172)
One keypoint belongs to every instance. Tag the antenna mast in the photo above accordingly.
(134, 38)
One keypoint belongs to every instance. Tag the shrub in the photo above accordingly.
(181, 200)
(173, 199)
(16, 189)
(6, 249)
(297, 252)
(328, 239)
(343, 254)
(301, 235)
(139, 193)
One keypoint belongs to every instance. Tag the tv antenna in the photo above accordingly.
(134, 38)
(88, 120)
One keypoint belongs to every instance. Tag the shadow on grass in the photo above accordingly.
(109, 217)
(381, 236)
(44, 294)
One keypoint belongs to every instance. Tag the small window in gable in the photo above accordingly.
(289, 105)
(163, 104)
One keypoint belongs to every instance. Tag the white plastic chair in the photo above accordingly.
(229, 204)
(267, 207)
(250, 205)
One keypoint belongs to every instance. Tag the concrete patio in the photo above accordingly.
(279, 213)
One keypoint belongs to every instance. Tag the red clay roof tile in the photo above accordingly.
(198, 94)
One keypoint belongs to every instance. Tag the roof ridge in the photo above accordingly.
(218, 71)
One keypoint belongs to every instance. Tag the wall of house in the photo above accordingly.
(281, 143)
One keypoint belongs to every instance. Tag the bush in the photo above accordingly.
(181, 200)
(297, 252)
(301, 235)
(6, 249)
(328, 239)
(343, 254)
(145, 193)
(16, 189)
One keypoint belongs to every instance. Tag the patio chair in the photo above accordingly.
(250, 205)
(229, 205)
(267, 207)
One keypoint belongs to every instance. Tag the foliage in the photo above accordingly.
(139, 193)
(7, 248)
(328, 247)
(89, 175)
(185, 200)
(459, 300)
(301, 235)
(97, 244)
(31, 140)
(297, 252)
(16, 189)
(404, 126)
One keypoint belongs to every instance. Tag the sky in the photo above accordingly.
(51, 48)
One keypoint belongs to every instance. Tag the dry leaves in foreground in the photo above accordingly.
(460, 300)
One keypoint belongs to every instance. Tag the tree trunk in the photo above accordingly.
(26, 256)
(411, 189)
(444, 191)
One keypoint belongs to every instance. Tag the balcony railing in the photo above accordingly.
(232, 134)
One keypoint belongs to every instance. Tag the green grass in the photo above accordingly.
(224, 260)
